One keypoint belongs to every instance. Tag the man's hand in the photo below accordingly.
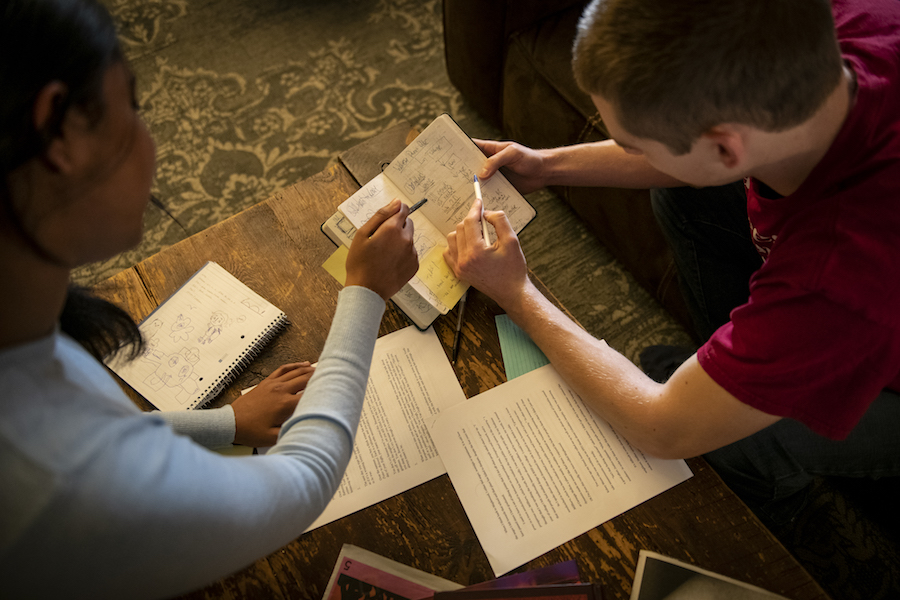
(498, 270)
(259, 414)
(523, 166)
(382, 256)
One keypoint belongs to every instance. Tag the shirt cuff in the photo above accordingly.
(209, 427)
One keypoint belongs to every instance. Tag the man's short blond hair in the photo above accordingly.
(673, 69)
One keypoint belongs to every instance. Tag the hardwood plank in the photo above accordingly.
(127, 290)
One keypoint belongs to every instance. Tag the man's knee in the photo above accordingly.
(764, 474)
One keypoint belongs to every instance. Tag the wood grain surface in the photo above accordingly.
(277, 248)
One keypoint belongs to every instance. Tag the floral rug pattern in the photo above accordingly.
(227, 139)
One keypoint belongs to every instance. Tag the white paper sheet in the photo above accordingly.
(534, 467)
(410, 382)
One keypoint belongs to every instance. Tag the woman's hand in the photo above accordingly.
(382, 256)
(522, 166)
(259, 414)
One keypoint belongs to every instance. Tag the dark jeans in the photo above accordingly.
(771, 470)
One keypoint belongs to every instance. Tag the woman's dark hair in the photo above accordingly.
(100, 326)
(73, 42)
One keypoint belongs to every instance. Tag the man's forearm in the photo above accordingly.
(607, 381)
(688, 416)
(602, 164)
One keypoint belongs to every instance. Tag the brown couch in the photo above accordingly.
(510, 59)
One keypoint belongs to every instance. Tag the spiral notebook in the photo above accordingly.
(199, 340)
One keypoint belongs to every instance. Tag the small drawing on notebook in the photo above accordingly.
(181, 329)
(174, 371)
(217, 321)
(255, 306)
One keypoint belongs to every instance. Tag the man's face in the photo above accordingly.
(702, 166)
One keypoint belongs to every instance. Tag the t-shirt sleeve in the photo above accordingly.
(800, 355)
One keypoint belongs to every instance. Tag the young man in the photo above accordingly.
(793, 108)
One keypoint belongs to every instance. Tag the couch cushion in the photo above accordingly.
(548, 46)
(475, 36)
(538, 84)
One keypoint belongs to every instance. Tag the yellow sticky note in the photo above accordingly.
(437, 277)
(336, 265)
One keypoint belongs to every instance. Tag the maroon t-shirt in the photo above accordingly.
(819, 337)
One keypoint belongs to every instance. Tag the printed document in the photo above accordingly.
(410, 382)
(534, 467)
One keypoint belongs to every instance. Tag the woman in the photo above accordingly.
(111, 500)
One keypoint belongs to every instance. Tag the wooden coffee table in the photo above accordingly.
(277, 248)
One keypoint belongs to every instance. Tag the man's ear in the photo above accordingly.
(728, 144)
(48, 119)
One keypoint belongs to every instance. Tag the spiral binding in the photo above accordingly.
(243, 360)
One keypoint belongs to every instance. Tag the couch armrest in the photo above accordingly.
(475, 38)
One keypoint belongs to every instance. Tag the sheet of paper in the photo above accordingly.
(378, 192)
(534, 467)
(365, 202)
(439, 278)
(520, 354)
(410, 382)
(419, 310)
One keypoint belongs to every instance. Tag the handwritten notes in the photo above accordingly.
(437, 277)
(438, 165)
(362, 206)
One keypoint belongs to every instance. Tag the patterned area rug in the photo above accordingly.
(246, 97)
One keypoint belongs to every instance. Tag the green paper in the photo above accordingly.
(520, 354)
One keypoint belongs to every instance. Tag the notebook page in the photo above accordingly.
(440, 165)
(199, 339)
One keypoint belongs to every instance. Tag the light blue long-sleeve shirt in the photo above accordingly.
(101, 500)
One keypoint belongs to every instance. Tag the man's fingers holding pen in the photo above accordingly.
(498, 270)
(501, 224)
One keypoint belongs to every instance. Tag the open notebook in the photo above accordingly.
(438, 165)
(199, 339)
